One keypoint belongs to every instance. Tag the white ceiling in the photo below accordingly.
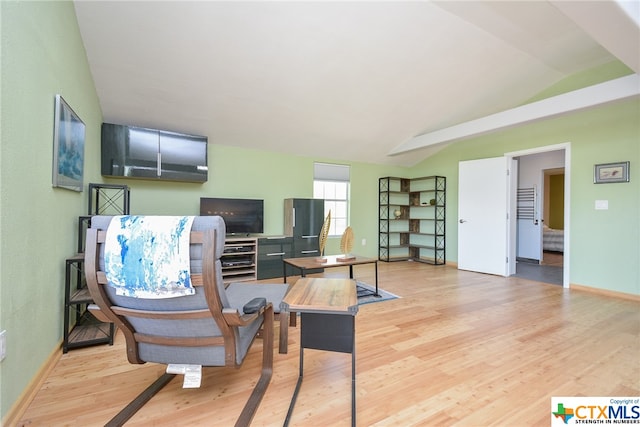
(341, 80)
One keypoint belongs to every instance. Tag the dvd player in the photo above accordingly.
(236, 263)
(234, 249)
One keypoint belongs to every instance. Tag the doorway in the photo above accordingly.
(553, 211)
(501, 234)
(542, 238)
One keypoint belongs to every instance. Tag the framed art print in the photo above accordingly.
(68, 147)
(611, 172)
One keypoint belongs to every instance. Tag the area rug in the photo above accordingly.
(365, 294)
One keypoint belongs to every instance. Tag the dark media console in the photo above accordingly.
(247, 257)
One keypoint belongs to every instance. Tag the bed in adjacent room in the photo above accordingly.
(552, 239)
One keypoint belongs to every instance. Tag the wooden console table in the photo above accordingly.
(327, 310)
(310, 263)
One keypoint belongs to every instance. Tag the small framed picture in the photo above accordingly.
(68, 147)
(611, 172)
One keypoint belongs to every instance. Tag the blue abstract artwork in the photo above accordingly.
(68, 151)
(148, 256)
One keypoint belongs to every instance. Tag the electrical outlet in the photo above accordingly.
(602, 205)
(364, 242)
(3, 345)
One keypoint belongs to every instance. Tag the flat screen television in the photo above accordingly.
(241, 216)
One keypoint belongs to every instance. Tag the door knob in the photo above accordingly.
(462, 221)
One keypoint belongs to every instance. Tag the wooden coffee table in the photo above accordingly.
(310, 263)
(327, 310)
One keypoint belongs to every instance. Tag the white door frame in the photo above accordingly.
(512, 224)
(567, 204)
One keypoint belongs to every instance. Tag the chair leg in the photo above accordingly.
(284, 332)
(140, 401)
(285, 320)
(250, 407)
(267, 371)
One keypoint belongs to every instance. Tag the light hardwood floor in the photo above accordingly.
(553, 258)
(458, 348)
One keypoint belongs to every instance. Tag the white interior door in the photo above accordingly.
(482, 215)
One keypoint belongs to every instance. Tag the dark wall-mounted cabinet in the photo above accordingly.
(135, 152)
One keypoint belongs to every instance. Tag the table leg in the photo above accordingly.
(353, 379)
(376, 265)
(376, 293)
(329, 332)
(295, 392)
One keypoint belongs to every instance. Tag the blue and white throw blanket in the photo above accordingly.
(148, 256)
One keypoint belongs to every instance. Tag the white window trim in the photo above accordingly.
(328, 172)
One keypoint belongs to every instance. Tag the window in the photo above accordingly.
(331, 183)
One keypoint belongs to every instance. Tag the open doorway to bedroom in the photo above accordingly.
(553, 214)
(541, 216)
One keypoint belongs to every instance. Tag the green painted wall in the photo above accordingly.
(605, 252)
(239, 172)
(42, 54)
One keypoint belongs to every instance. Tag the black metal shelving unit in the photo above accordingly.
(108, 199)
(411, 219)
(81, 328)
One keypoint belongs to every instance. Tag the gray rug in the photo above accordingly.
(365, 294)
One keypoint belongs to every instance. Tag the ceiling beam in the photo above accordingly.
(614, 24)
(613, 90)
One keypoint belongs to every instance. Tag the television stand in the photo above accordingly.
(239, 259)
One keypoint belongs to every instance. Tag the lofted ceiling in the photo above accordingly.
(348, 81)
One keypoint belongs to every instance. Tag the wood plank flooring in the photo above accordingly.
(458, 348)
(553, 258)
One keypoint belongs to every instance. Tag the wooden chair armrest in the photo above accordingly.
(233, 318)
(97, 313)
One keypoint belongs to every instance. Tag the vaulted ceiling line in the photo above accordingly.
(602, 93)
